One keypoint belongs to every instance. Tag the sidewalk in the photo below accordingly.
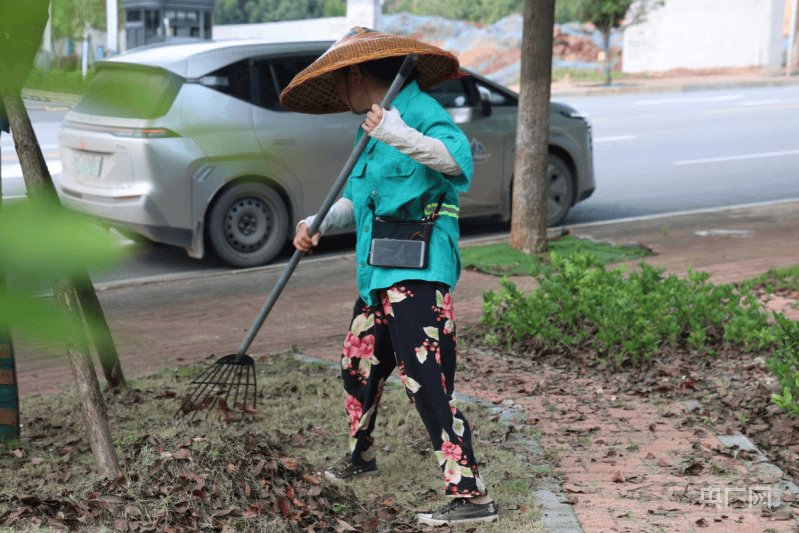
(677, 80)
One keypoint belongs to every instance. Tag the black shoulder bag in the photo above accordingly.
(400, 243)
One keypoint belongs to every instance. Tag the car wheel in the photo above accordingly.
(560, 190)
(248, 225)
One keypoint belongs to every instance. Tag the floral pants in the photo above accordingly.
(413, 329)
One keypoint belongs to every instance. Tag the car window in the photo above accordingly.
(496, 97)
(142, 93)
(233, 80)
(451, 93)
(274, 75)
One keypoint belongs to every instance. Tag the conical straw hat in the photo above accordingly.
(314, 89)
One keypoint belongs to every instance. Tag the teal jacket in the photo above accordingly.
(401, 187)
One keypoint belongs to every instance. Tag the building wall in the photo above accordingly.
(706, 34)
(359, 13)
(288, 30)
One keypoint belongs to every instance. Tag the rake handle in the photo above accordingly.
(396, 85)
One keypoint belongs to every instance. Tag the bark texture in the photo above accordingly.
(529, 216)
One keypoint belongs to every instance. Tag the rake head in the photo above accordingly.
(229, 385)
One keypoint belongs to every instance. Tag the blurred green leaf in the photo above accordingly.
(51, 241)
(22, 24)
(34, 317)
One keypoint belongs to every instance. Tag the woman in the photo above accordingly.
(414, 166)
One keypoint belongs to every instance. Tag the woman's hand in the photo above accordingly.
(303, 240)
(373, 118)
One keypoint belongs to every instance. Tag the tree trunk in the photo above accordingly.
(606, 34)
(40, 188)
(99, 330)
(793, 44)
(9, 390)
(92, 403)
(529, 217)
(40, 185)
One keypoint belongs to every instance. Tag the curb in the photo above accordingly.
(40, 95)
(643, 88)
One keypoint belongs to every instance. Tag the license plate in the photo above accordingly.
(87, 165)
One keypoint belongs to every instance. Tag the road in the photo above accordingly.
(661, 153)
(653, 153)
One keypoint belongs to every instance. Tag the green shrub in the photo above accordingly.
(580, 303)
(784, 363)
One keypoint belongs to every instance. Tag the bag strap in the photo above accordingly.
(434, 216)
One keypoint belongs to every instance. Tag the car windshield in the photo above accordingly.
(130, 93)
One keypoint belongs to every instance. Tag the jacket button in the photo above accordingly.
(366, 228)
(370, 156)
(363, 264)
(374, 192)
(398, 170)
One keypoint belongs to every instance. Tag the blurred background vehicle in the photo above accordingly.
(187, 145)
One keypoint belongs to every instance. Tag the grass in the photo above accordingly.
(596, 75)
(785, 279)
(302, 402)
(502, 260)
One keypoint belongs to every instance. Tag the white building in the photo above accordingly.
(705, 34)
(364, 13)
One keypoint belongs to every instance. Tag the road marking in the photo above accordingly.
(752, 108)
(689, 100)
(16, 158)
(725, 233)
(735, 158)
(15, 171)
(10, 146)
(616, 138)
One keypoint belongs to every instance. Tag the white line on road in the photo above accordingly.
(9, 148)
(689, 100)
(15, 171)
(735, 158)
(616, 138)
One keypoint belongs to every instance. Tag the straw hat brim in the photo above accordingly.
(314, 89)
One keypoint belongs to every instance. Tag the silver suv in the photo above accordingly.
(188, 145)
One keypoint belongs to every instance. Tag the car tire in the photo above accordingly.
(248, 225)
(560, 190)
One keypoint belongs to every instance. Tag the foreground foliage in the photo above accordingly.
(627, 318)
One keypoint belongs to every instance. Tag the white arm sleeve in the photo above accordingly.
(428, 151)
(341, 215)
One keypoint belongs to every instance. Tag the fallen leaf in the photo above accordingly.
(290, 463)
(618, 477)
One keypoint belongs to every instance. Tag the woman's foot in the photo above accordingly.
(461, 511)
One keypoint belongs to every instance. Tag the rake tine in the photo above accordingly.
(237, 387)
(207, 379)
